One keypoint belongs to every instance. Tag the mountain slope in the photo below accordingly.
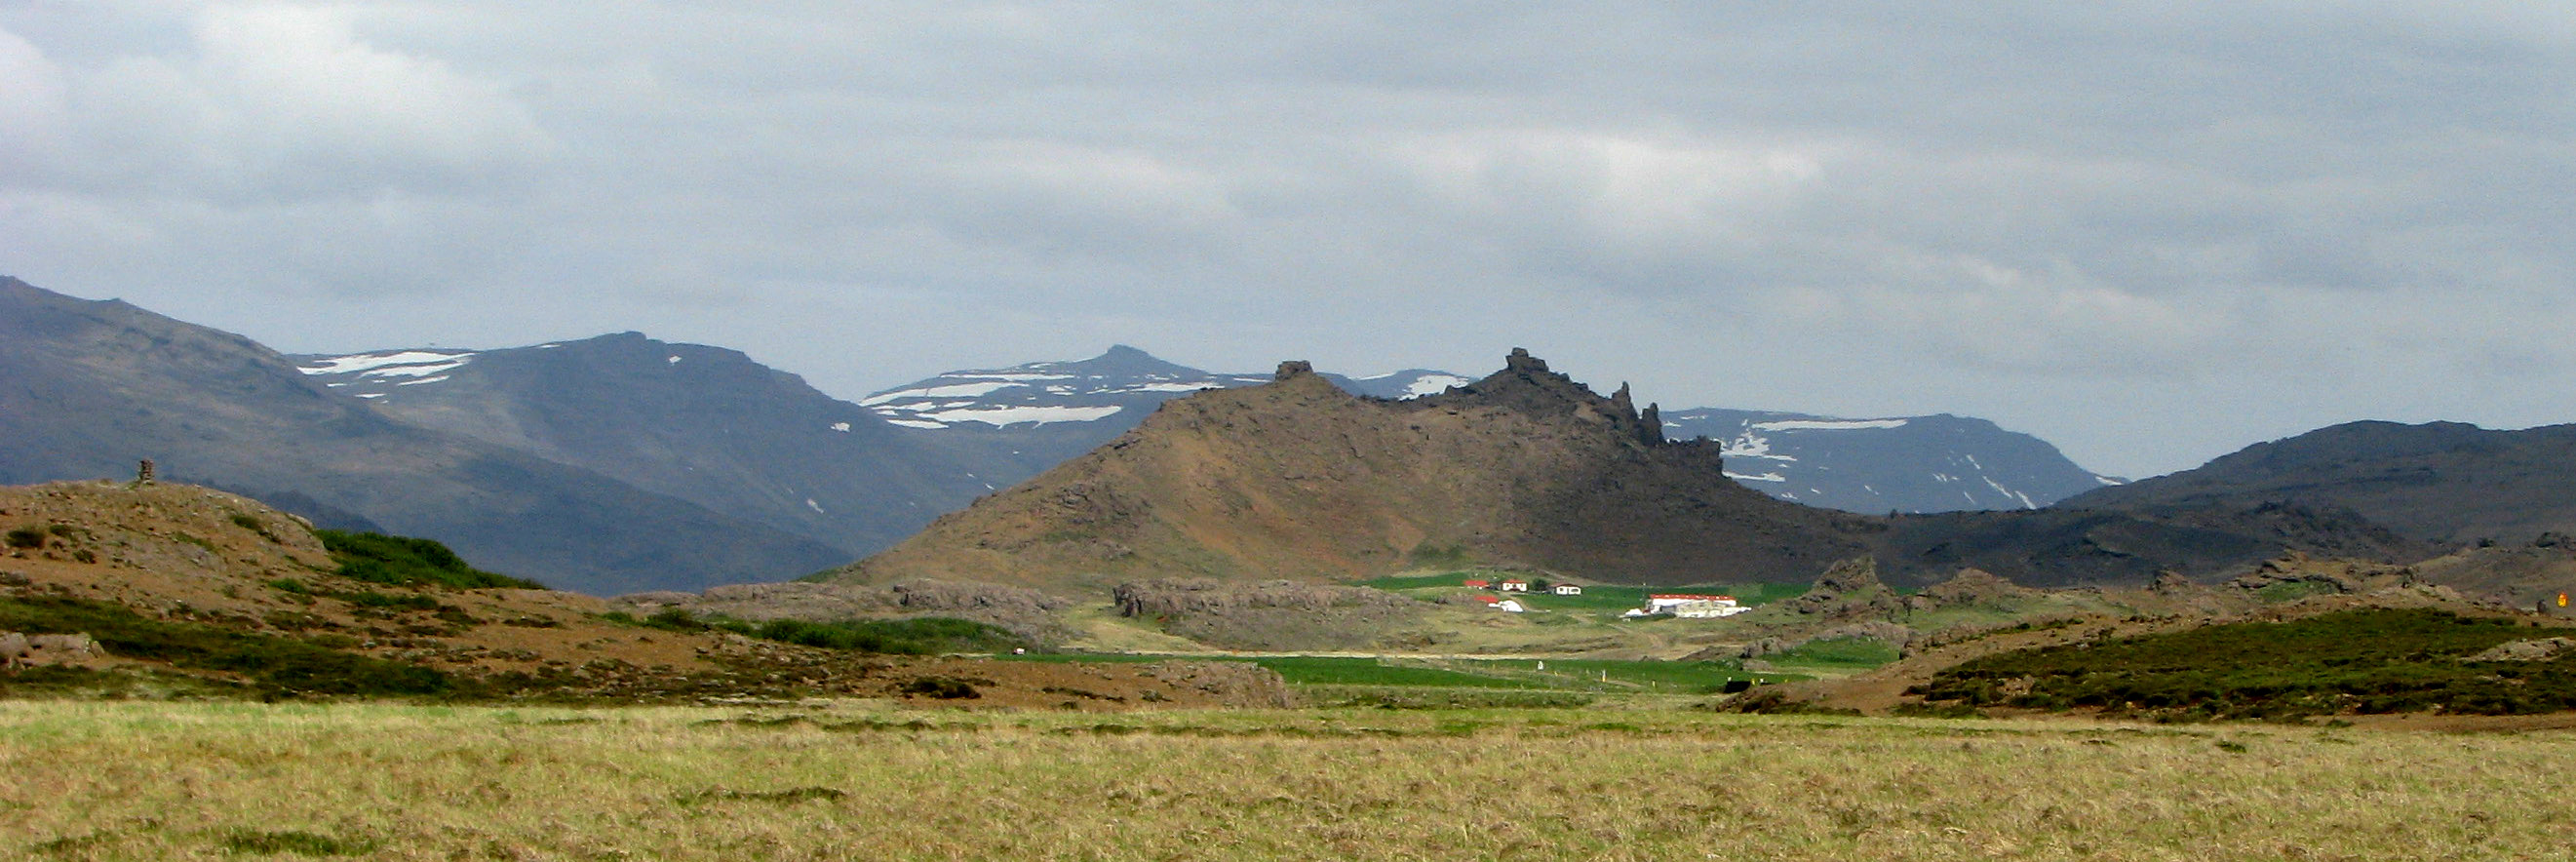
(702, 424)
(89, 387)
(2441, 481)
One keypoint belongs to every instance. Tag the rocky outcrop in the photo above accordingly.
(2542, 649)
(1893, 634)
(1850, 590)
(22, 650)
(1975, 586)
(2301, 574)
(1025, 612)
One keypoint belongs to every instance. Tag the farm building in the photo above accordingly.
(1568, 590)
(1502, 604)
(1688, 606)
(1478, 583)
(1514, 586)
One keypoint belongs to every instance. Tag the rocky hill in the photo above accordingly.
(1297, 479)
(1301, 480)
(89, 388)
(1018, 421)
(702, 424)
(2441, 481)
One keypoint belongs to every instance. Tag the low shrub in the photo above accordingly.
(296, 842)
(377, 558)
(918, 636)
(405, 602)
(943, 688)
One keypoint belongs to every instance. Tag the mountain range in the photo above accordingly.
(712, 427)
(702, 424)
(621, 463)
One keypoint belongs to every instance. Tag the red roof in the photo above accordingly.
(1476, 583)
(1489, 599)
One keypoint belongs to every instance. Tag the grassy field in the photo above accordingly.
(173, 781)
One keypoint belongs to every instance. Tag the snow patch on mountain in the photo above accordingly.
(388, 363)
(999, 416)
(951, 390)
(1413, 384)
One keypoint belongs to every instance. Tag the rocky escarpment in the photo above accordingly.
(1271, 614)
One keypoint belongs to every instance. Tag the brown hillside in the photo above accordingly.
(1297, 479)
(219, 567)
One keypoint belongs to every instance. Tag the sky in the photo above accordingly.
(2149, 233)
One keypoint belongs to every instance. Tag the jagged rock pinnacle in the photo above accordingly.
(1292, 369)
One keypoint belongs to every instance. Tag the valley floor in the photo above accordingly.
(866, 780)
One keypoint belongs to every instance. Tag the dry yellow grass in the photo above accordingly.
(161, 781)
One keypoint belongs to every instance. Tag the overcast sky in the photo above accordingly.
(2149, 233)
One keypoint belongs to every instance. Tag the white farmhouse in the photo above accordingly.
(1567, 590)
(1688, 606)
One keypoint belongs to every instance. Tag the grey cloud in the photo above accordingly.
(2075, 219)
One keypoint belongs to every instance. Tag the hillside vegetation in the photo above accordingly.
(2358, 661)
(184, 591)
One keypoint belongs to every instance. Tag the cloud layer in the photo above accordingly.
(2150, 233)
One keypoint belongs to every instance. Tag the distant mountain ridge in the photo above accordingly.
(87, 388)
(1916, 464)
(703, 424)
(2438, 481)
